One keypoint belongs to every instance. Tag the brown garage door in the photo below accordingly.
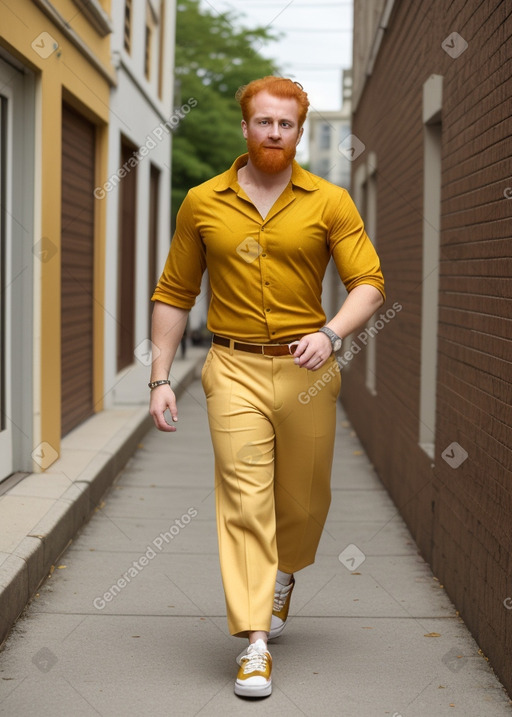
(77, 261)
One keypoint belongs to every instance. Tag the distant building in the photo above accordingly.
(142, 118)
(327, 130)
(428, 388)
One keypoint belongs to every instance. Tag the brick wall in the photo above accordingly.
(460, 517)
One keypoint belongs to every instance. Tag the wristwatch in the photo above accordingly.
(336, 341)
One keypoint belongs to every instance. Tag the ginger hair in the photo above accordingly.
(277, 87)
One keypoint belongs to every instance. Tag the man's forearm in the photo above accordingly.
(361, 303)
(167, 327)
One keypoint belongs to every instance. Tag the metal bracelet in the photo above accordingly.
(154, 384)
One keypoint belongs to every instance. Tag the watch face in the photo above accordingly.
(337, 345)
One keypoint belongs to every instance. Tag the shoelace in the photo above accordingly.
(253, 661)
(280, 597)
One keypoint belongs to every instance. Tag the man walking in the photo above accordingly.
(265, 229)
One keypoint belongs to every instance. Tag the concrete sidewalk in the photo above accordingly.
(132, 620)
(40, 513)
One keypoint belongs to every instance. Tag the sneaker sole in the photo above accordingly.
(276, 632)
(247, 691)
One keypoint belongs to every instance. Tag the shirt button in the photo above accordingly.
(267, 309)
(263, 255)
(267, 283)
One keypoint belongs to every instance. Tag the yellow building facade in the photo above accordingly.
(55, 82)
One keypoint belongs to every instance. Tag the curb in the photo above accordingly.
(26, 568)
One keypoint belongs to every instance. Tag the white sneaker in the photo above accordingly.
(282, 597)
(254, 676)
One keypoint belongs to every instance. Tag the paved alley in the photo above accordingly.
(132, 620)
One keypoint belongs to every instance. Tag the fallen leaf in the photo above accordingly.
(432, 634)
(441, 687)
(357, 453)
(61, 567)
(355, 573)
(367, 628)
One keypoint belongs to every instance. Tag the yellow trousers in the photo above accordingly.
(273, 426)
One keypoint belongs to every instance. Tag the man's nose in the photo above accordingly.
(275, 130)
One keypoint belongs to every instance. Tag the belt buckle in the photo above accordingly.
(290, 346)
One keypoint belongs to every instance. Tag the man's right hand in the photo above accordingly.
(161, 399)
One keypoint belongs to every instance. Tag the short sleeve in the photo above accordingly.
(353, 252)
(180, 282)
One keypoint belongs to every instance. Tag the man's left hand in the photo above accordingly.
(312, 351)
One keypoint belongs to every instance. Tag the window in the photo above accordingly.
(151, 27)
(324, 167)
(370, 219)
(432, 133)
(161, 48)
(147, 53)
(128, 25)
(325, 136)
(359, 197)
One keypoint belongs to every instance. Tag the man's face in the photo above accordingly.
(272, 132)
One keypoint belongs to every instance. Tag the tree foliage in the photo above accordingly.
(215, 55)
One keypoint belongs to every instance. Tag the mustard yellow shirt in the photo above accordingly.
(266, 274)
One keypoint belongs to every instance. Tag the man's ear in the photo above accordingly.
(244, 128)
(301, 132)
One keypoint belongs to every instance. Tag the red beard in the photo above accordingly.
(271, 161)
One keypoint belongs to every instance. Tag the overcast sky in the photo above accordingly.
(315, 47)
(317, 43)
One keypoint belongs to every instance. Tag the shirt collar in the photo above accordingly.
(300, 177)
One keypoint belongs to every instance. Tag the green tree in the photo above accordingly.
(215, 55)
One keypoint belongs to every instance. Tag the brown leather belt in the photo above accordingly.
(264, 349)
